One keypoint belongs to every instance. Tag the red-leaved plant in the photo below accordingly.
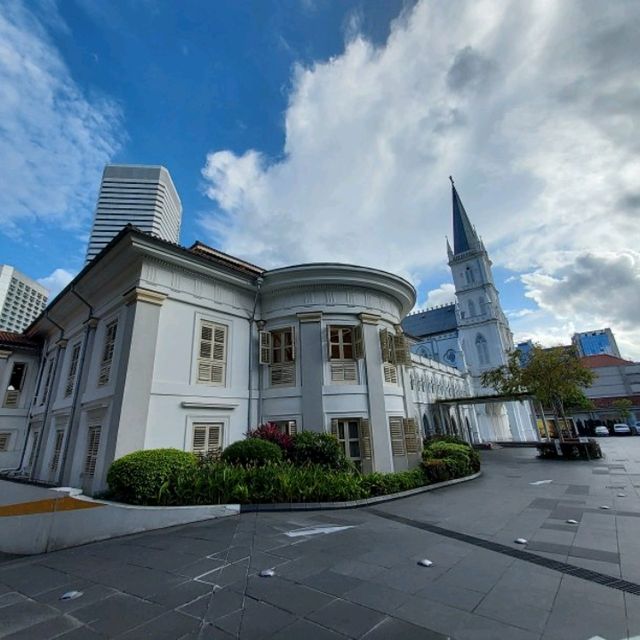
(271, 432)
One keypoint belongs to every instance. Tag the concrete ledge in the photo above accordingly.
(353, 504)
(40, 531)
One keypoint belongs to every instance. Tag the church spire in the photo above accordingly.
(464, 235)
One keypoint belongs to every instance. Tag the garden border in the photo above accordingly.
(352, 504)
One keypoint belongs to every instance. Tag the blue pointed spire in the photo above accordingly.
(464, 235)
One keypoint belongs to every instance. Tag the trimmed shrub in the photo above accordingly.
(143, 477)
(322, 449)
(445, 438)
(468, 458)
(436, 470)
(380, 484)
(271, 433)
(252, 452)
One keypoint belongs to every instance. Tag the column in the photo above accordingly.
(382, 459)
(311, 370)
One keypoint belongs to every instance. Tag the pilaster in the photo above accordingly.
(311, 370)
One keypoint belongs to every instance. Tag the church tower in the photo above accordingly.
(483, 329)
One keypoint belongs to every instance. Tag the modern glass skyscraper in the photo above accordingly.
(593, 343)
(141, 195)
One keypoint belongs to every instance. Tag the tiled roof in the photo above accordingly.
(603, 360)
(431, 322)
(220, 257)
(11, 339)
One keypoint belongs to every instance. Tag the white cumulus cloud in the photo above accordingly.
(54, 139)
(56, 281)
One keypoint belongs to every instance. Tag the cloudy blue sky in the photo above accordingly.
(304, 130)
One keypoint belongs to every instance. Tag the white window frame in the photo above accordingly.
(5, 440)
(208, 425)
(343, 369)
(73, 369)
(282, 367)
(12, 396)
(108, 350)
(58, 444)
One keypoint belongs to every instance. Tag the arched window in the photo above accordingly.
(482, 349)
(472, 308)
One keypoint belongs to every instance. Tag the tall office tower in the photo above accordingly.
(141, 195)
(21, 299)
(593, 343)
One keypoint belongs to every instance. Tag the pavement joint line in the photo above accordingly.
(527, 556)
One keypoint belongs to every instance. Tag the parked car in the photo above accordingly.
(601, 430)
(621, 429)
(636, 429)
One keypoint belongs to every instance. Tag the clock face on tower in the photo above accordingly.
(450, 356)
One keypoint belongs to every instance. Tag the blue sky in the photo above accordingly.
(324, 130)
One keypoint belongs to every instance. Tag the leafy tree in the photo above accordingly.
(555, 377)
(623, 407)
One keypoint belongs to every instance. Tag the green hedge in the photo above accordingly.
(144, 477)
(183, 479)
(310, 447)
(252, 451)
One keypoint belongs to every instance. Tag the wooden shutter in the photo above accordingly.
(11, 398)
(4, 441)
(212, 353)
(265, 347)
(334, 427)
(283, 375)
(207, 437)
(345, 372)
(401, 349)
(47, 381)
(107, 353)
(390, 373)
(358, 342)
(385, 346)
(396, 434)
(365, 438)
(93, 446)
(292, 428)
(411, 436)
(329, 341)
(57, 449)
(293, 344)
(73, 367)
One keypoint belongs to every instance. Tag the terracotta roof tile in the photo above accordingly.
(603, 360)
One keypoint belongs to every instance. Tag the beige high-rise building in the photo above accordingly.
(21, 299)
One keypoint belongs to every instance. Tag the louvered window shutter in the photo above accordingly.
(384, 345)
(358, 342)
(73, 367)
(57, 449)
(334, 427)
(4, 441)
(199, 444)
(396, 433)
(93, 446)
(11, 398)
(265, 347)
(401, 349)
(207, 438)
(107, 353)
(34, 447)
(292, 428)
(365, 439)
(293, 344)
(411, 439)
(329, 341)
(213, 352)
(390, 373)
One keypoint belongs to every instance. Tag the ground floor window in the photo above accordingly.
(4, 441)
(93, 446)
(35, 439)
(57, 449)
(288, 427)
(207, 438)
(349, 438)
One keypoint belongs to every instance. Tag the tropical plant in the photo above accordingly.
(252, 452)
(310, 447)
(271, 433)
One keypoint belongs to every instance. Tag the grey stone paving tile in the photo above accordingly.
(226, 575)
(117, 614)
(11, 597)
(395, 629)
(82, 633)
(234, 553)
(51, 628)
(357, 569)
(213, 606)
(578, 489)
(432, 615)
(350, 619)
(293, 597)
(90, 593)
(516, 608)
(331, 582)
(409, 578)
(481, 628)
(377, 596)
(169, 626)
(34, 579)
(594, 554)
(199, 567)
(257, 620)
(558, 526)
(22, 615)
(139, 581)
(181, 594)
(453, 596)
(573, 590)
(305, 630)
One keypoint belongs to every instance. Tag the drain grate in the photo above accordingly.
(527, 556)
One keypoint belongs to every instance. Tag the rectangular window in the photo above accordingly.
(57, 449)
(348, 433)
(93, 446)
(73, 368)
(207, 438)
(390, 373)
(107, 353)
(342, 354)
(283, 371)
(411, 436)
(16, 382)
(212, 358)
(4, 441)
(396, 434)
(288, 427)
(35, 439)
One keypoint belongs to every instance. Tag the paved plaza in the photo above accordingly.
(355, 573)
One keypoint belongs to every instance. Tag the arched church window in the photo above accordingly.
(482, 349)
(472, 308)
